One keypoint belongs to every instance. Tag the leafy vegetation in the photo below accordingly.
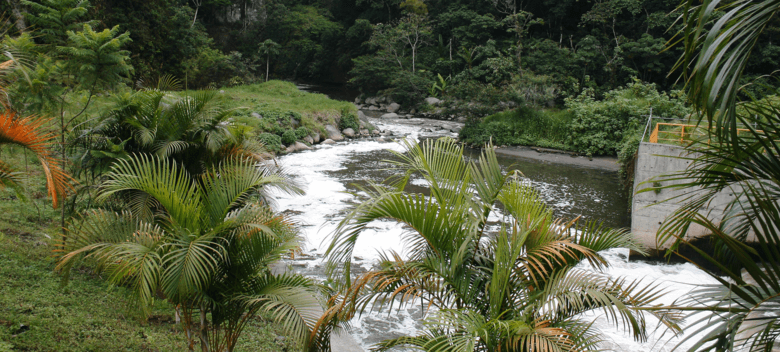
(511, 287)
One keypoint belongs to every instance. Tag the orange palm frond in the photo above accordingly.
(28, 132)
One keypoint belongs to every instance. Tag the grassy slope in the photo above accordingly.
(88, 314)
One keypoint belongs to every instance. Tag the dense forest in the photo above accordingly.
(544, 50)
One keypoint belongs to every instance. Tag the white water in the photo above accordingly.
(325, 203)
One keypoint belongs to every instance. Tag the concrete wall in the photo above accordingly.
(649, 209)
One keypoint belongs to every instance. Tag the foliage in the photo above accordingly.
(599, 127)
(29, 133)
(741, 310)
(53, 19)
(97, 58)
(195, 130)
(522, 126)
(301, 132)
(88, 315)
(203, 244)
(511, 288)
(289, 137)
(270, 141)
(349, 119)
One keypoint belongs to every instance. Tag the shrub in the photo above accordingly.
(598, 127)
(349, 119)
(288, 137)
(271, 141)
(523, 126)
(301, 132)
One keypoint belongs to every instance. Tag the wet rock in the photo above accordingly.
(391, 115)
(362, 116)
(373, 108)
(364, 132)
(308, 139)
(350, 133)
(432, 101)
(394, 107)
(316, 137)
(333, 133)
(426, 130)
(455, 129)
(375, 132)
(328, 141)
(296, 147)
(256, 115)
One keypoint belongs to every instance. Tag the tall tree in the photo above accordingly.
(268, 48)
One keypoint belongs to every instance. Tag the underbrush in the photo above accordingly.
(522, 126)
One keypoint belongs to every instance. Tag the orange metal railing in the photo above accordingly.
(679, 133)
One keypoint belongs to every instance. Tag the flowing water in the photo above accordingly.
(330, 173)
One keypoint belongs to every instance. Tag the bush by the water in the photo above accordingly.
(288, 137)
(301, 132)
(349, 119)
(522, 126)
(601, 127)
(271, 141)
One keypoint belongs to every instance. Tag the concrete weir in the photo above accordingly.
(650, 209)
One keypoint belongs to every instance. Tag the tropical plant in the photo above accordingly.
(741, 312)
(510, 287)
(203, 244)
(196, 130)
(29, 133)
(268, 48)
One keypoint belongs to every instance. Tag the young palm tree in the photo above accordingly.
(28, 132)
(197, 131)
(206, 249)
(268, 48)
(510, 287)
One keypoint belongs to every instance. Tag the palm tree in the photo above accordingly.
(28, 132)
(206, 249)
(509, 287)
(268, 48)
(741, 312)
(197, 130)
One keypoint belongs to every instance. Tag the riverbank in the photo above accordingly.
(560, 157)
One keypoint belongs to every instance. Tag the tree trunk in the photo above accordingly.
(204, 334)
(195, 17)
(267, 66)
(20, 25)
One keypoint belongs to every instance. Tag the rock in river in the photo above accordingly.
(393, 107)
(298, 146)
(328, 141)
(391, 115)
(333, 133)
(350, 133)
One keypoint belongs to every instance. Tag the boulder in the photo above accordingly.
(432, 101)
(390, 115)
(362, 116)
(316, 137)
(350, 133)
(375, 132)
(357, 100)
(328, 141)
(308, 139)
(455, 129)
(256, 115)
(364, 132)
(394, 107)
(333, 133)
(296, 147)
(371, 101)
(373, 108)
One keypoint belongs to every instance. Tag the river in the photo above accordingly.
(329, 172)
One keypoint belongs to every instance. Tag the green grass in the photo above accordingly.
(88, 314)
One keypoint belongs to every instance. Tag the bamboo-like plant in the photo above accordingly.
(508, 287)
(206, 250)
